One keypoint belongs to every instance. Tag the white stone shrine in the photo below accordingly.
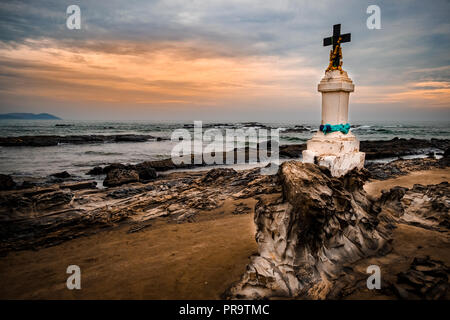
(338, 151)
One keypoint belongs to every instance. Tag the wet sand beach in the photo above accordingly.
(197, 260)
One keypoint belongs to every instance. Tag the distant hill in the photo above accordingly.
(28, 116)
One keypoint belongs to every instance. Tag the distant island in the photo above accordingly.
(28, 116)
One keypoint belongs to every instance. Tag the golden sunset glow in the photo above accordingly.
(165, 76)
(210, 57)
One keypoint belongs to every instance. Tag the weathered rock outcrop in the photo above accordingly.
(374, 150)
(381, 149)
(61, 175)
(145, 172)
(424, 206)
(425, 279)
(447, 153)
(6, 182)
(44, 141)
(177, 198)
(383, 171)
(308, 234)
(314, 231)
(117, 177)
(397, 147)
(90, 184)
(32, 202)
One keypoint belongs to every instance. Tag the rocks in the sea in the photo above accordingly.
(113, 166)
(6, 182)
(374, 150)
(117, 177)
(64, 125)
(28, 184)
(447, 153)
(118, 174)
(131, 138)
(397, 147)
(291, 151)
(297, 129)
(306, 235)
(61, 175)
(31, 141)
(381, 149)
(43, 141)
(162, 165)
(96, 171)
(145, 172)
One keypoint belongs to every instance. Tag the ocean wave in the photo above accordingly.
(293, 139)
(382, 130)
(364, 127)
(103, 153)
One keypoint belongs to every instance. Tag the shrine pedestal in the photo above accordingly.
(337, 151)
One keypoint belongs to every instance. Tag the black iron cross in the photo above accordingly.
(336, 40)
(336, 34)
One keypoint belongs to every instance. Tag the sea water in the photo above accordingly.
(39, 162)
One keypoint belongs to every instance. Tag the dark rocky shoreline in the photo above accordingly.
(381, 149)
(119, 173)
(374, 149)
(326, 209)
(52, 140)
(45, 215)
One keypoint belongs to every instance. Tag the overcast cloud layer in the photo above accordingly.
(221, 60)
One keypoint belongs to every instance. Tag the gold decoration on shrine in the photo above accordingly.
(336, 53)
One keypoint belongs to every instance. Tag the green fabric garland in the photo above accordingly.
(328, 128)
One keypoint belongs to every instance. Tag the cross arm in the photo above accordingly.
(346, 37)
(327, 41)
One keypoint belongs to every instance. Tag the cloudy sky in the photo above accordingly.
(221, 60)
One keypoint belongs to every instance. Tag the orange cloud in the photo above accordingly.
(178, 75)
(162, 75)
(416, 94)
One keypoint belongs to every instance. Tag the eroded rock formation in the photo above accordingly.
(52, 140)
(424, 206)
(316, 234)
(6, 182)
(306, 235)
(70, 210)
(118, 177)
